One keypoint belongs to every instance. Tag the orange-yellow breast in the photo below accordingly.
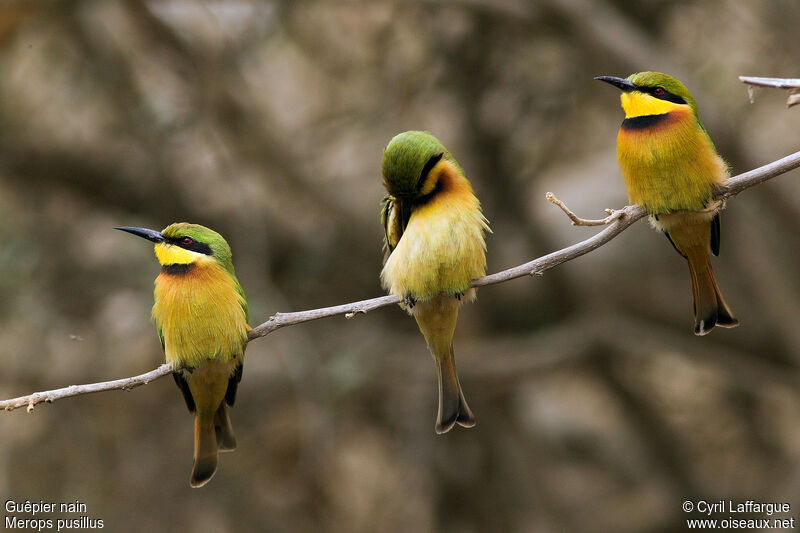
(670, 165)
(200, 315)
(442, 248)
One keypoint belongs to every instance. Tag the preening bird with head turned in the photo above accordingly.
(434, 236)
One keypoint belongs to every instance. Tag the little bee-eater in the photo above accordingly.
(201, 316)
(434, 232)
(670, 167)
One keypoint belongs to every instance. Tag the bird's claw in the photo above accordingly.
(409, 301)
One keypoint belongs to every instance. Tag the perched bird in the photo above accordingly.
(201, 315)
(434, 241)
(670, 167)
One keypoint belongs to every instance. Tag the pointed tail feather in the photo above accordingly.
(437, 322)
(710, 308)
(725, 318)
(205, 453)
(453, 408)
(226, 441)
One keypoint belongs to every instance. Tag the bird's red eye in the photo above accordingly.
(658, 91)
(187, 240)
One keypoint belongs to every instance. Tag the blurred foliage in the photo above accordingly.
(597, 408)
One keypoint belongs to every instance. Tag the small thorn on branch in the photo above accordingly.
(613, 214)
(352, 314)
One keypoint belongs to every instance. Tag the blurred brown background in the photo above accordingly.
(597, 408)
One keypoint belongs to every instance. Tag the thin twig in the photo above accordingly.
(777, 83)
(793, 84)
(618, 221)
(629, 215)
(280, 320)
(76, 390)
(577, 221)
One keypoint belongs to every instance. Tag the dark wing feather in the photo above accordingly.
(180, 381)
(183, 385)
(233, 384)
(715, 235)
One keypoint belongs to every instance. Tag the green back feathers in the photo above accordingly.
(670, 84)
(405, 158)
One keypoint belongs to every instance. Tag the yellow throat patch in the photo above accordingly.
(433, 177)
(636, 104)
(169, 254)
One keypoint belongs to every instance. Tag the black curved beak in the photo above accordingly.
(149, 234)
(620, 83)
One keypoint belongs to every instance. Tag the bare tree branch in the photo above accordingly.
(279, 320)
(76, 390)
(745, 180)
(778, 83)
(616, 223)
(793, 84)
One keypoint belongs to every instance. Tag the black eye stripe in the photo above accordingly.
(194, 246)
(668, 96)
(427, 168)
